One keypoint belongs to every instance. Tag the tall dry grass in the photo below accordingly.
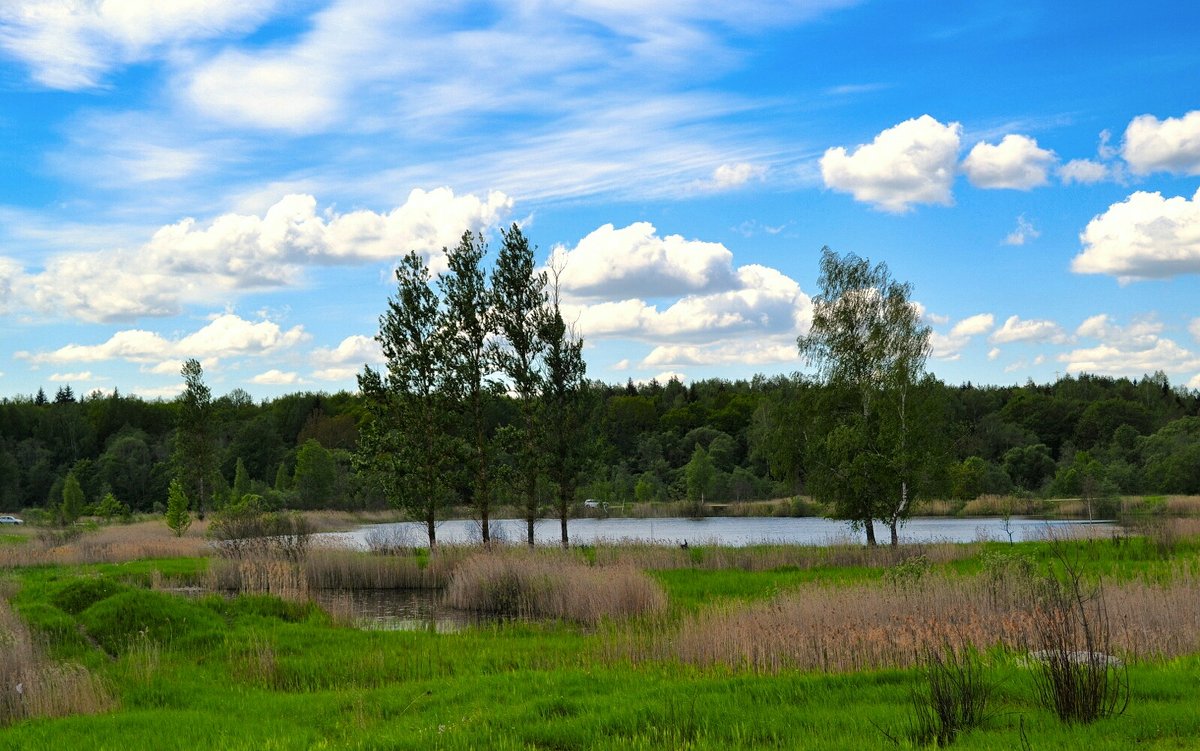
(882, 625)
(552, 586)
(31, 685)
(117, 543)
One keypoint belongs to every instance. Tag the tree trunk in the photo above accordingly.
(869, 525)
(563, 518)
(431, 530)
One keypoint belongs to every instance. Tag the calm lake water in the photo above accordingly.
(730, 531)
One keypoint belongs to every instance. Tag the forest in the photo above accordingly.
(1124, 436)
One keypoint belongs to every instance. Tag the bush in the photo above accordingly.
(1075, 673)
(118, 621)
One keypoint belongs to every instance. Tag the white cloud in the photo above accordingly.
(993, 353)
(622, 364)
(949, 346)
(1024, 232)
(666, 377)
(1017, 162)
(226, 335)
(1171, 145)
(159, 392)
(71, 45)
(1142, 332)
(747, 352)
(1194, 383)
(635, 261)
(1117, 359)
(276, 377)
(1016, 330)
(345, 361)
(909, 163)
(82, 376)
(187, 262)
(980, 323)
(729, 176)
(1145, 236)
(1083, 171)
(763, 302)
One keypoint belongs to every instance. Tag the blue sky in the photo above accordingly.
(234, 180)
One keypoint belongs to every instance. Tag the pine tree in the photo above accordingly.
(241, 482)
(195, 443)
(562, 404)
(178, 518)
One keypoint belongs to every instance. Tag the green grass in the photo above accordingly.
(258, 673)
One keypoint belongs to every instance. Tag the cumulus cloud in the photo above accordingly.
(276, 377)
(1083, 171)
(1024, 232)
(729, 176)
(1145, 236)
(189, 262)
(71, 45)
(82, 376)
(1142, 332)
(1131, 360)
(728, 353)
(910, 163)
(345, 361)
(763, 302)
(226, 335)
(1017, 330)
(636, 261)
(993, 353)
(1171, 145)
(949, 346)
(1017, 162)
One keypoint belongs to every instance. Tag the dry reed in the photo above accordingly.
(881, 625)
(31, 685)
(118, 543)
(552, 586)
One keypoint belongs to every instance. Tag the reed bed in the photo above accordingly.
(889, 625)
(554, 586)
(118, 543)
(31, 685)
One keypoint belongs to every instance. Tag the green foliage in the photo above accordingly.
(700, 475)
(109, 506)
(195, 454)
(316, 474)
(241, 481)
(178, 517)
(72, 500)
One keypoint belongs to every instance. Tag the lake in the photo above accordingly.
(729, 531)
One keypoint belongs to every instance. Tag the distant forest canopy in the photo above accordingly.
(1123, 436)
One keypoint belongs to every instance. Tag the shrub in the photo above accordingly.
(1075, 673)
(956, 695)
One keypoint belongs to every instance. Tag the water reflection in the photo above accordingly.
(728, 531)
(397, 610)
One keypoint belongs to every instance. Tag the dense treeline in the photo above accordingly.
(724, 441)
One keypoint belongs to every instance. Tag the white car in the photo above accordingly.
(6, 519)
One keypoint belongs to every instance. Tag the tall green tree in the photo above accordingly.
(519, 306)
(316, 475)
(869, 347)
(178, 516)
(195, 455)
(72, 499)
(241, 482)
(406, 442)
(563, 416)
(468, 323)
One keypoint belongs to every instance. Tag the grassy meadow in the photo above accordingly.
(126, 637)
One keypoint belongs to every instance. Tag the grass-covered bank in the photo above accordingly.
(718, 665)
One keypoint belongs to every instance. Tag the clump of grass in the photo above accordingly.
(552, 586)
(954, 698)
(31, 685)
(119, 621)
